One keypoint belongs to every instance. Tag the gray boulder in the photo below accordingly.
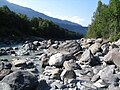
(56, 60)
(43, 85)
(21, 80)
(70, 46)
(4, 86)
(88, 58)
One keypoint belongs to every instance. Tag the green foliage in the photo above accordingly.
(105, 21)
(14, 25)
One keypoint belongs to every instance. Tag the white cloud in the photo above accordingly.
(20, 2)
(75, 19)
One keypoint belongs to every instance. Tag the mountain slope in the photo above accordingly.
(30, 13)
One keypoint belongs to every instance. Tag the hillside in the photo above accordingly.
(14, 25)
(31, 13)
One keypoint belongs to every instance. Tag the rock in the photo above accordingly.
(4, 72)
(69, 65)
(95, 78)
(99, 40)
(100, 84)
(118, 43)
(43, 85)
(56, 60)
(85, 78)
(113, 57)
(87, 58)
(4, 86)
(89, 85)
(21, 80)
(70, 46)
(95, 47)
(116, 58)
(107, 74)
(36, 43)
(44, 60)
(57, 85)
(67, 74)
(56, 74)
(5, 65)
(18, 63)
(105, 48)
(113, 87)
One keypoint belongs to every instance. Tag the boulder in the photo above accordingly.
(18, 63)
(43, 85)
(21, 80)
(56, 73)
(69, 65)
(112, 56)
(56, 60)
(107, 74)
(95, 48)
(88, 58)
(67, 74)
(70, 46)
(4, 72)
(4, 86)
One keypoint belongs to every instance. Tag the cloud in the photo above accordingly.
(75, 19)
(20, 2)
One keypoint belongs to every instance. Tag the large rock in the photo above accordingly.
(68, 74)
(19, 63)
(4, 86)
(4, 72)
(21, 80)
(107, 74)
(70, 46)
(87, 58)
(43, 85)
(95, 47)
(56, 60)
(70, 65)
(112, 56)
(56, 73)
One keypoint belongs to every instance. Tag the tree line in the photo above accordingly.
(106, 21)
(17, 25)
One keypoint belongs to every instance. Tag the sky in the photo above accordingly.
(78, 11)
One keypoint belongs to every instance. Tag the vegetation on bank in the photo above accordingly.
(15, 26)
(106, 21)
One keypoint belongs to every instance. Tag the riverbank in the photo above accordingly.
(85, 64)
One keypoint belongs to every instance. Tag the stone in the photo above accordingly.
(67, 74)
(4, 72)
(4, 86)
(113, 87)
(107, 74)
(95, 48)
(56, 60)
(57, 85)
(70, 46)
(87, 58)
(95, 78)
(18, 63)
(43, 85)
(69, 65)
(21, 80)
(108, 58)
(100, 84)
(99, 40)
(105, 48)
(56, 74)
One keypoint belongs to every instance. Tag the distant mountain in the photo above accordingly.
(31, 13)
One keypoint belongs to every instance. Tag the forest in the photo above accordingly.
(17, 25)
(106, 21)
